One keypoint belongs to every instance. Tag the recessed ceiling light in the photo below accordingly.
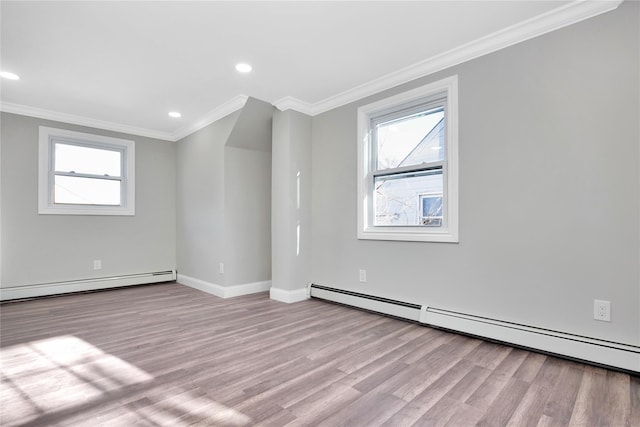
(10, 76)
(175, 114)
(243, 68)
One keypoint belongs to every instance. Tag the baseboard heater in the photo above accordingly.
(54, 288)
(596, 351)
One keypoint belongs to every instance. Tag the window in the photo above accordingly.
(84, 174)
(408, 165)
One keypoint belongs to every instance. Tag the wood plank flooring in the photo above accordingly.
(169, 355)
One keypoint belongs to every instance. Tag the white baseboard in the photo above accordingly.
(39, 290)
(224, 291)
(247, 288)
(289, 297)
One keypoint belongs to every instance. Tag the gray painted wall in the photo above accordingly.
(38, 249)
(247, 231)
(549, 189)
(200, 200)
(224, 198)
(291, 224)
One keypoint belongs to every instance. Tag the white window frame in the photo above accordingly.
(48, 137)
(448, 89)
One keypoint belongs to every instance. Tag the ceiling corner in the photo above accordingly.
(40, 113)
(232, 105)
(558, 18)
(291, 103)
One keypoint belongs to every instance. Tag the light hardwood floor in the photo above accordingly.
(169, 355)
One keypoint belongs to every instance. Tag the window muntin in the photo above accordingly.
(407, 165)
(84, 174)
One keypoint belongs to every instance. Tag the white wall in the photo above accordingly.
(40, 249)
(549, 189)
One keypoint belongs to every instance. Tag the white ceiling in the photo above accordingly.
(125, 65)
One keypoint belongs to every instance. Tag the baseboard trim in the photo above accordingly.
(224, 291)
(287, 296)
(247, 288)
(46, 289)
(607, 353)
(597, 351)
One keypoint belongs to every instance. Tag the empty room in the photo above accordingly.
(320, 213)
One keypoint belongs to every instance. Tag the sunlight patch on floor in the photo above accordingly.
(66, 378)
(59, 373)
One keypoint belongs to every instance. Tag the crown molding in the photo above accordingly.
(291, 103)
(234, 104)
(552, 20)
(40, 113)
(223, 110)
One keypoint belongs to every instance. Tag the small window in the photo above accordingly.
(84, 174)
(407, 165)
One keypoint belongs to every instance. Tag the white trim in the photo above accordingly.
(224, 291)
(563, 16)
(234, 104)
(247, 288)
(620, 355)
(45, 177)
(449, 231)
(25, 110)
(291, 103)
(201, 285)
(221, 111)
(284, 295)
(30, 291)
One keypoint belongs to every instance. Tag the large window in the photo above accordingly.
(84, 174)
(407, 165)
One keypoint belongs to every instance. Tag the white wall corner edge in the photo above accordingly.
(289, 297)
(224, 291)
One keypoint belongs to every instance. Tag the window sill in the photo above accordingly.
(89, 210)
(409, 235)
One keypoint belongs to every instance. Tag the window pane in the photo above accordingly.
(87, 160)
(411, 140)
(86, 191)
(431, 210)
(398, 199)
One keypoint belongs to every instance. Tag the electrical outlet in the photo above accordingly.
(97, 264)
(363, 275)
(602, 310)
(221, 268)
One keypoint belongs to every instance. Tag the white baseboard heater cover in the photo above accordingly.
(592, 350)
(44, 289)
